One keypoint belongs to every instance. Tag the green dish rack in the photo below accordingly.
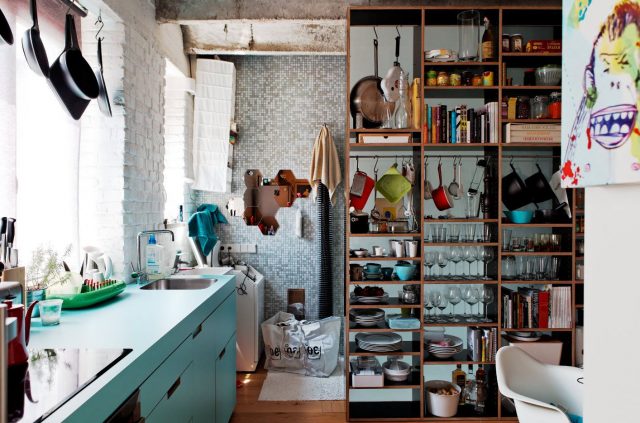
(87, 298)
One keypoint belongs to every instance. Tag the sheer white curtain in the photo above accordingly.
(43, 144)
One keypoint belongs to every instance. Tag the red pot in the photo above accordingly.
(441, 196)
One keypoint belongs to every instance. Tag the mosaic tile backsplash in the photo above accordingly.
(281, 104)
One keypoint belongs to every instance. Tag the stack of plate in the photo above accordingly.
(373, 276)
(367, 317)
(451, 346)
(379, 342)
(382, 299)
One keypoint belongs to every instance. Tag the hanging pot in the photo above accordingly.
(6, 35)
(514, 191)
(441, 196)
(539, 187)
(103, 96)
(366, 97)
(32, 46)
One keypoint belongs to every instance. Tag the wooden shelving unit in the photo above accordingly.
(420, 19)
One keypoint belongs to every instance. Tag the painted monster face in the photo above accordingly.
(617, 77)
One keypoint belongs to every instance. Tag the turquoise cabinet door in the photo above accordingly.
(226, 381)
(175, 405)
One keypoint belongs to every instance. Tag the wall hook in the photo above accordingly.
(101, 23)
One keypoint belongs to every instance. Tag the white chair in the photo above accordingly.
(535, 386)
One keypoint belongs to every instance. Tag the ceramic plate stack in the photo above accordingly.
(379, 342)
(375, 276)
(381, 299)
(367, 317)
(451, 346)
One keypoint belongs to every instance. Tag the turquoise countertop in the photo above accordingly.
(152, 323)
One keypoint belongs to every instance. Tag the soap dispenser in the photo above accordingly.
(154, 257)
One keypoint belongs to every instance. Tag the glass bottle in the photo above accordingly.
(481, 390)
(469, 394)
(488, 42)
(401, 115)
(459, 377)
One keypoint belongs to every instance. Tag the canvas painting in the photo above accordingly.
(600, 83)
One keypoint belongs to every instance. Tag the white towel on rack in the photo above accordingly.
(214, 110)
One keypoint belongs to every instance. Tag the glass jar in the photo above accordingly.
(509, 268)
(455, 80)
(555, 105)
(443, 79)
(477, 80)
(523, 109)
(539, 107)
(468, 35)
(432, 78)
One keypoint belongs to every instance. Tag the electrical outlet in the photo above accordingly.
(251, 248)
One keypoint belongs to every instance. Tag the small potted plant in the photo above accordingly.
(46, 269)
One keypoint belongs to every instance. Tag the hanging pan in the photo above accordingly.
(6, 36)
(103, 97)
(539, 187)
(366, 97)
(32, 46)
(514, 191)
(391, 82)
(71, 77)
(441, 196)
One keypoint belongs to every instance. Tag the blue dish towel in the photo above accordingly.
(201, 226)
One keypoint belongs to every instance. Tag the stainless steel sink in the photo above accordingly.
(179, 283)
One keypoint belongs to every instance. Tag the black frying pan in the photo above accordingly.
(539, 187)
(70, 73)
(103, 97)
(514, 191)
(32, 46)
(6, 36)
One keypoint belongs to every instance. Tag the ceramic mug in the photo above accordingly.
(356, 272)
(378, 251)
(372, 268)
(387, 272)
(411, 248)
(397, 248)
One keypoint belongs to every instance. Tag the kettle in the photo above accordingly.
(17, 351)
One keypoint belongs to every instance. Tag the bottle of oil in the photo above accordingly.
(459, 377)
(488, 42)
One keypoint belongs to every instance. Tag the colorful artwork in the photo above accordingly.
(600, 83)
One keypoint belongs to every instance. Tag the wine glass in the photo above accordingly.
(454, 296)
(486, 297)
(442, 263)
(489, 256)
(470, 296)
(435, 297)
(444, 302)
(469, 256)
(428, 306)
(455, 256)
(430, 261)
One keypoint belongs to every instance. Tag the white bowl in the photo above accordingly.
(442, 405)
(397, 375)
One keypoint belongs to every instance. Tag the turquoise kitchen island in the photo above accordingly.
(182, 359)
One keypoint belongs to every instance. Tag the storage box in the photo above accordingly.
(544, 46)
(383, 139)
(367, 374)
(546, 350)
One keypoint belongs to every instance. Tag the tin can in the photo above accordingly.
(487, 78)
(516, 43)
(506, 43)
(477, 80)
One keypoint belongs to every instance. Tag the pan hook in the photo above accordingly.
(101, 23)
(397, 31)
(375, 33)
(375, 166)
(357, 164)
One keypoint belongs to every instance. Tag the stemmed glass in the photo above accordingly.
(454, 297)
(442, 263)
(455, 256)
(435, 297)
(444, 302)
(486, 298)
(470, 296)
(430, 261)
(488, 256)
(429, 306)
(469, 255)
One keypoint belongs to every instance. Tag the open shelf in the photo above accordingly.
(461, 145)
(531, 87)
(535, 282)
(408, 348)
(460, 244)
(462, 324)
(536, 253)
(376, 282)
(412, 383)
(392, 303)
(460, 358)
(461, 87)
(459, 281)
(530, 145)
(531, 120)
(459, 220)
(388, 145)
(384, 410)
(536, 329)
(459, 64)
(387, 235)
(537, 225)
(385, 258)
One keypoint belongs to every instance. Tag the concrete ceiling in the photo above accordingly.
(278, 26)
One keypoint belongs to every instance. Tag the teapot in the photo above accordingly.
(17, 351)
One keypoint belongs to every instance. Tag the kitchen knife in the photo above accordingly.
(9, 236)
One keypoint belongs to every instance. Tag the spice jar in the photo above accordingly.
(467, 78)
(431, 78)
(516, 43)
(523, 109)
(455, 80)
(443, 79)
(487, 78)
(506, 42)
(477, 80)
(555, 105)
(539, 107)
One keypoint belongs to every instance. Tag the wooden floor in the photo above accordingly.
(250, 410)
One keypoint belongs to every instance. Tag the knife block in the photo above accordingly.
(16, 274)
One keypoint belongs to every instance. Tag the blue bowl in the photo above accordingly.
(519, 216)
(405, 272)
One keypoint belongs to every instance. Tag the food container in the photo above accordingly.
(443, 79)
(516, 43)
(539, 107)
(477, 80)
(405, 272)
(455, 80)
(396, 370)
(519, 216)
(548, 75)
(442, 405)
(555, 105)
(50, 311)
(506, 43)
(398, 226)
(432, 78)
(487, 78)
(523, 108)
(359, 223)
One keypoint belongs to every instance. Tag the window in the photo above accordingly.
(40, 183)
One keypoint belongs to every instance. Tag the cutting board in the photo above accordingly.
(359, 202)
(16, 274)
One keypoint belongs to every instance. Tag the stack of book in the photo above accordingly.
(462, 124)
(533, 132)
(531, 308)
(482, 343)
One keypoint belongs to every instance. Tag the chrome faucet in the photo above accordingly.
(143, 275)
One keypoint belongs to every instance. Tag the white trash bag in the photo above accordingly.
(307, 347)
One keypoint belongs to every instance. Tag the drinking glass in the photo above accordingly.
(428, 306)
(470, 232)
(468, 35)
(471, 206)
(554, 268)
(521, 267)
(454, 296)
(444, 302)
(488, 233)
(454, 233)
(527, 244)
(470, 296)
(442, 235)
(469, 255)
(430, 261)
(442, 263)
(541, 267)
(545, 242)
(537, 242)
(435, 234)
(506, 239)
(486, 298)
(455, 256)
(530, 269)
(556, 242)
(516, 244)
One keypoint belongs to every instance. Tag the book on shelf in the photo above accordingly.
(462, 124)
(533, 132)
(482, 343)
(530, 308)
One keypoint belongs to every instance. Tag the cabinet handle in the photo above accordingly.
(224, 350)
(197, 331)
(173, 388)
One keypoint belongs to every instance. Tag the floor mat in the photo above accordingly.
(281, 386)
